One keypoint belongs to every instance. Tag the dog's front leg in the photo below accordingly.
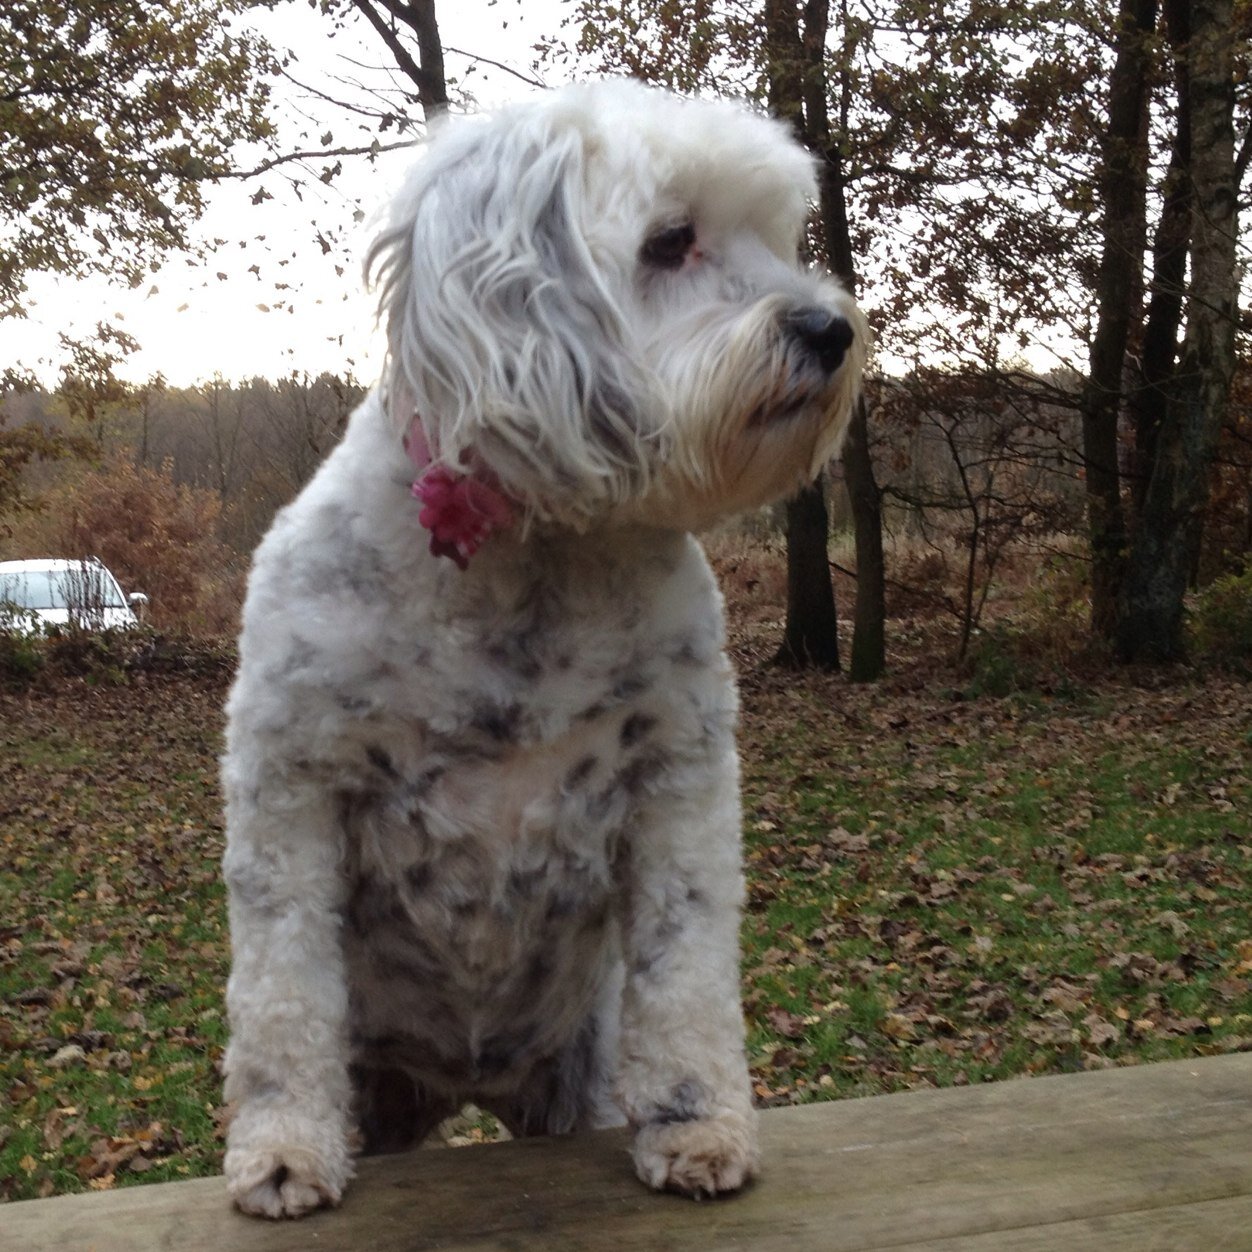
(683, 1078)
(286, 1066)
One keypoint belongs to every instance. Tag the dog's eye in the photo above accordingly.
(668, 248)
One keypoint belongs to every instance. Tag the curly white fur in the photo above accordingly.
(483, 826)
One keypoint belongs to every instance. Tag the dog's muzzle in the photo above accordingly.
(823, 335)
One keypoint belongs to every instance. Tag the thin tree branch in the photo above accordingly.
(287, 157)
(362, 110)
(508, 69)
(421, 80)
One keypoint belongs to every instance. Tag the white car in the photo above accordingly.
(56, 592)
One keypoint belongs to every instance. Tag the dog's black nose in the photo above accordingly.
(822, 333)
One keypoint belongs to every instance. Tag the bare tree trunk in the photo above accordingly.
(811, 636)
(1150, 620)
(869, 641)
(1169, 267)
(784, 62)
(799, 92)
(1123, 184)
(427, 72)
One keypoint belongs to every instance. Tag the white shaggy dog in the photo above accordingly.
(484, 821)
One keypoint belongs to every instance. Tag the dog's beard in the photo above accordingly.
(751, 418)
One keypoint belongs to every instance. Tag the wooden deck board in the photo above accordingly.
(1156, 1157)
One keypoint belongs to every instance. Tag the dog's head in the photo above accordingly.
(594, 300)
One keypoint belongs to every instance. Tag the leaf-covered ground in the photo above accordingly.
(941, 890)
(113, 952)
(946, 890)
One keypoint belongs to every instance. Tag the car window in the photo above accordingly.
(76, 589)
(31, 589)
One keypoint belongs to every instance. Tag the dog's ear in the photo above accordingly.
(505, 333)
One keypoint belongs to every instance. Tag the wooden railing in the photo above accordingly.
(1151, 1158)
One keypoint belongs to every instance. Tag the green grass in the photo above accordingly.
(997, 887)
(112, 954)
(942, 890)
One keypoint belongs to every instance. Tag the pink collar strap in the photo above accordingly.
(461, 513)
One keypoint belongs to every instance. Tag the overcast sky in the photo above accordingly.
(194, 324)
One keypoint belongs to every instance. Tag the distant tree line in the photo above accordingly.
(980, 472)
(252, 444)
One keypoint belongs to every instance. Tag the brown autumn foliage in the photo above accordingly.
(1227, 537)
(156, 535)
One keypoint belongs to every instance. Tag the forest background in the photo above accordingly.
(1036, 203)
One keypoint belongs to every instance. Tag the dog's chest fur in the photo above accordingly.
(490, 823)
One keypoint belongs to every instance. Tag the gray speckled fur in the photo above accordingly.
(474, 960)
(483, 826)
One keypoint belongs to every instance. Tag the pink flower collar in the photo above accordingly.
(461, 513)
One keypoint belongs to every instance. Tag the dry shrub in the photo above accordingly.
(1043, 639)
(922, 579)
(1221, 622)
(752, 574)
(157, 536)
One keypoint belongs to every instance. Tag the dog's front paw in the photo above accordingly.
(286, 1167)
(699, 1158)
